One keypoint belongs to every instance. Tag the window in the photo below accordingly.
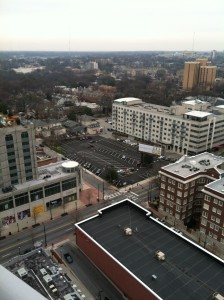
(68, 184)
(213, 218)
(205, 214)
(206, 206)
(6, 204)
(161, 199)
(204, 222)
(193, 183)
(36, 194)
(21, 199)
(215, 201)
(177, 208)
(201, 180)
(214, 209)
(220, 203)
(179, 194)
(163, 186)
(207, 198)
(52, 189)
(178, 201)
(180, 185)
(163, 178)
(8, 137)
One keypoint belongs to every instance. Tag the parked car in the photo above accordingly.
(68, 258)
(98, 171)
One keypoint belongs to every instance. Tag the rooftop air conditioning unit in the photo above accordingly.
(128, 231)
(217, 296)
(160, 255)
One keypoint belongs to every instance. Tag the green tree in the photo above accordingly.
(111, 174)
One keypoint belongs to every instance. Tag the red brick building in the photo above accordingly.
(184, 185)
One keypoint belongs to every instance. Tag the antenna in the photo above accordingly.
(193, 43)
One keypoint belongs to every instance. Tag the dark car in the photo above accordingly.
(68, 258)
(98, 171)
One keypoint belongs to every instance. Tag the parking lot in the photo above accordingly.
(99, 153)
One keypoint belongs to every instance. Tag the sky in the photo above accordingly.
(118, 25)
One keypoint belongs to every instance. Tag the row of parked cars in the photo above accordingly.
(88, 166)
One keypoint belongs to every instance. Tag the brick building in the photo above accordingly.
(186, 188)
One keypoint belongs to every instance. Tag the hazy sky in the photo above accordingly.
(95, 25)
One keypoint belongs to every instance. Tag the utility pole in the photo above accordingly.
(45, 237)
(50, 210)
(103, 190)
(98, 197)
(149, 194)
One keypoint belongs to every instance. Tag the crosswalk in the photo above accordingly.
(129, 195)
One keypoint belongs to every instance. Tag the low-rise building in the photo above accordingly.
(28, 191)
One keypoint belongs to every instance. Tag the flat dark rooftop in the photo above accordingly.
(188, 272)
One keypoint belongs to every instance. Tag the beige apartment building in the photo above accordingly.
(192, 127)
(199, 74)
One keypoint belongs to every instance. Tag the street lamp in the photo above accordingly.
(17, 226)
(50, 210)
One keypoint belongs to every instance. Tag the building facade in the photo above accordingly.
(199, 74)
(32, 190)
(192, 127)
(212, 216)
(18, 157)
(187, 192)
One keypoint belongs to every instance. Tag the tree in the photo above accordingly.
(111, 174)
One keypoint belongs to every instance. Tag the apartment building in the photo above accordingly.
(18, 155)
(212, 217)
(192, 127)
(27, 191)
(199, 74)
(191, 191)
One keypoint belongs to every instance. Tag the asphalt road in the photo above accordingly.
(89, 275)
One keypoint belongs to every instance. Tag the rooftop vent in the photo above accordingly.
(160, 255)
(217, 296)
(128, 231)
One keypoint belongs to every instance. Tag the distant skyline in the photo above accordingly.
(118, 25)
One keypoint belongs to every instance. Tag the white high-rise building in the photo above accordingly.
(192, 127)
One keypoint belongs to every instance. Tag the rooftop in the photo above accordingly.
(188, 271)
(36, 269)
(128, 99)
(199, 114)
(188, 165)
(48, 173)
(217, 186)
